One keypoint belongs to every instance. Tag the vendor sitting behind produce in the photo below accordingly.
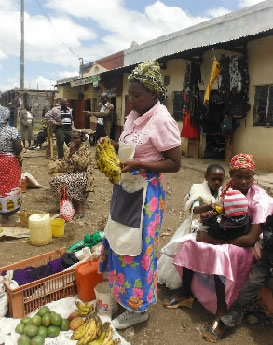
(76, 168)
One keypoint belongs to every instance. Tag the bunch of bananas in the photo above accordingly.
(107, 160)
(93, 332)
(84, 308)
(106, 337)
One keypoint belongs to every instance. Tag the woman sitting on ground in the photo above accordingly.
(76, 168)
(213, 270)
(10, 169)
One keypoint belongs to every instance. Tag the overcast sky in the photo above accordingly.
(59, 32)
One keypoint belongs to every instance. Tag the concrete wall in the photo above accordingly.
(176, 70)
(66, 91)
(257, 140)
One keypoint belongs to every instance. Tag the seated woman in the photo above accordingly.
(215, 270)
(77, 178)
(202, 198)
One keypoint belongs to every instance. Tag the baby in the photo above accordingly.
(232, 220)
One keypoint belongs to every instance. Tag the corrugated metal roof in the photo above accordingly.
(246, 22)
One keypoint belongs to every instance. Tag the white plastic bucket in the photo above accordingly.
(105, 302)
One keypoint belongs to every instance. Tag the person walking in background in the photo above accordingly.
(104, 117)
(10, 169)
(26, 125)
(61, 118)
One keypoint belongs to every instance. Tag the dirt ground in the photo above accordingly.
(164, 327)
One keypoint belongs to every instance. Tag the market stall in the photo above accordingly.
(210, 116)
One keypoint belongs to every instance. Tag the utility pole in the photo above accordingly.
(22, 47)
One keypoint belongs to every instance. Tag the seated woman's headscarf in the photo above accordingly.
(148, 74)
(84, 136)
(4, 115)
(242, 161)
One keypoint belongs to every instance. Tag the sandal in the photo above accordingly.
(215, 332)
(174, 302)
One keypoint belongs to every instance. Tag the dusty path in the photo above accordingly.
(164, 327)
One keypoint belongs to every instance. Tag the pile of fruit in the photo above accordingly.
(43, 324)
(107, 160)
(90, 331)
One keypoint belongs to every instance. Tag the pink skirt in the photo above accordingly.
(231, 263)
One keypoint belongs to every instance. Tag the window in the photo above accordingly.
(263, 106)
(178, 100)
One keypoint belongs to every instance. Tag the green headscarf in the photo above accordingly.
(148, 74)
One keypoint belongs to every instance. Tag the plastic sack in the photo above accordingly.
(31, 180)
(3, 299)
(179, 237)
(67, 210)
(167, 273)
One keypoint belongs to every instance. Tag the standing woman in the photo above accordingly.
(10, 170)
(129, 253)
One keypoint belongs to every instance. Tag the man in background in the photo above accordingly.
(104, 117)
(61, 118)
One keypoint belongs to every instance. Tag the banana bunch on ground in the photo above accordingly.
(90, 330)
(106, 337)
(84, 308)
(107, 160)
(93, 332)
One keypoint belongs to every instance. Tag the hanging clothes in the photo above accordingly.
(192, 102)
(189, 130)
(234, 74)
(215, 71)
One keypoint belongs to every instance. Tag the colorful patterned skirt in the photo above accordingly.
(10, 180)
(133, 279)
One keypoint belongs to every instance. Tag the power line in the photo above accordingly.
(58, 33)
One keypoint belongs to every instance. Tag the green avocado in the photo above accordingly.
(53, 331)
(36, 320)
(26, 320)
(42, 330)
(43, 310)
(65, 325)
(20, 328)
(55, 319)
(31, 330)
(24, 340)
(38, 340)
(46, 320)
